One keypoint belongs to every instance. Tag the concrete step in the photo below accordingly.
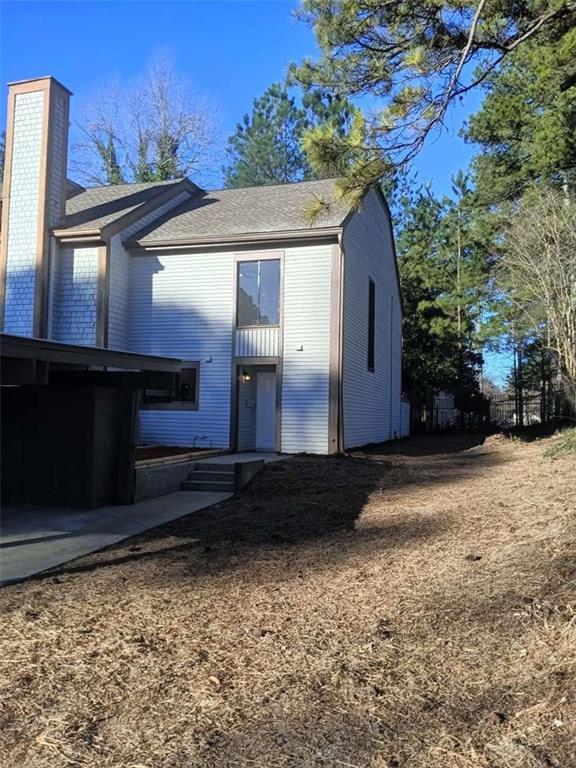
(199, 474)
(208, 485)
(205, 467)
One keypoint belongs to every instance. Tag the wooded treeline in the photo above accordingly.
(493, 264)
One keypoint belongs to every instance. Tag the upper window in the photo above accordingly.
(371, 323)
(258, 292)
(185, 395)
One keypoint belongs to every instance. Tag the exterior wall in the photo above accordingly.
(182, 305)
(75, 295)
(119, 294)
(119, 266)
(23, 214)
(371, 400)
(257, 342)
(34, 185)
(58, 158)
(306, 349)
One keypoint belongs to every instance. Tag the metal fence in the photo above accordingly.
(529, 410)
(501, 412)
(440, 418)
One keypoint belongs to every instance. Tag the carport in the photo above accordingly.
(69, 420)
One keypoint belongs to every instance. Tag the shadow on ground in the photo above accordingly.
(295, 503)
(424, 445)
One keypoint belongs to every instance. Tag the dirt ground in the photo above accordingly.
(409, 607)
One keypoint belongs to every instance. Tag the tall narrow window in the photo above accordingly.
(371, 323)
(258, 292)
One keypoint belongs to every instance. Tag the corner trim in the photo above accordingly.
(335, 443)
(103, 296)
(6, 201)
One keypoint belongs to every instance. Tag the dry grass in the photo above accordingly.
(411, 607)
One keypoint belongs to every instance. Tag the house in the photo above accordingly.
(288, 329)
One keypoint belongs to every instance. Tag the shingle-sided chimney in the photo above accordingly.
(34, 196)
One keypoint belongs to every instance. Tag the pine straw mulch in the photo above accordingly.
(409, 607)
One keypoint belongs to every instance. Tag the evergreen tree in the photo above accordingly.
(267, 147)
(526, 126)
(418, 59)
(444, 273)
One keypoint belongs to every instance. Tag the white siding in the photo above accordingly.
(257, 342)
(181, 305)
(306, 352)
(23, 213)
(120, 275)
(58, 152)
(75, 295)
(371, 399)
(119, 265)
(30, 147)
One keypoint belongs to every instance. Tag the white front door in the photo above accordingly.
(265, 411)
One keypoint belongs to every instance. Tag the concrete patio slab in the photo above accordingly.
(34, 539)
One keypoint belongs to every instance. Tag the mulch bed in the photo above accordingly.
(146, 452)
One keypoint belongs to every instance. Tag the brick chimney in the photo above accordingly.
(34, 196)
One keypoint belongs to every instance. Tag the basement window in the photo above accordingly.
(185, 397)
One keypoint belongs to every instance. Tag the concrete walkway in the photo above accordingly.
(33, 539)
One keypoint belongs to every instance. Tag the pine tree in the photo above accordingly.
(267, 147)
(415, 60)
(444, 273)
(526, 126)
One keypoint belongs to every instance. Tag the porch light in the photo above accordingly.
(246, 376)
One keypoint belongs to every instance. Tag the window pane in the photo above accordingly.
(270, 292)
(188, 385)
(187, 391)
(248, 293)
(371, 323)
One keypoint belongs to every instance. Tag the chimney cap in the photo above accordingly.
(39, 80)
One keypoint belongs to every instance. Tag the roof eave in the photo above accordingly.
(240, 239)
(73, 234)
(77, 235)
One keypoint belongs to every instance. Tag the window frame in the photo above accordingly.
(371, 337)
(258, 256)
(177, 405)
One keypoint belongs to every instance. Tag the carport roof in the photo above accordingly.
(48, 351)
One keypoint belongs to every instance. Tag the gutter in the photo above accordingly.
(242, 239)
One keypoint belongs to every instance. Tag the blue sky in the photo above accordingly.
(231, 50)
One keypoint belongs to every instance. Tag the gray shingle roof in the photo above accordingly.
(251, 210)
(99, 206)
